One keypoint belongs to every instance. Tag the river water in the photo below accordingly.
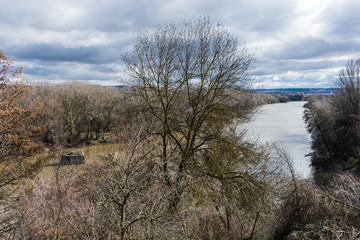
(283, 123)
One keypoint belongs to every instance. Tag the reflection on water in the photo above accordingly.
(282, 122)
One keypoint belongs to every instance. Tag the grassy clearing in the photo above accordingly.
(92, 155)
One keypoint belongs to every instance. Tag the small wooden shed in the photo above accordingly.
(74, 157)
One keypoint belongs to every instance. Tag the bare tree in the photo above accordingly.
(76, 112)
(346, 100)
(191, 78)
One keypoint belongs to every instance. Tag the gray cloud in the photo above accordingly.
(307, 48)
(300, 42)
(342, 19)
(68, 71)
(284, 66)
(58, 53)
(54, 52)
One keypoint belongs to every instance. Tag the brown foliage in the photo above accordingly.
(17, 137)
(16, 130)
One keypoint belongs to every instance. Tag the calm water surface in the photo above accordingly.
(282, 122)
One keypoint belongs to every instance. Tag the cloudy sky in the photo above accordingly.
(297, 43)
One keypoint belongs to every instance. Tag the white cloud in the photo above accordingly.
(276, 78)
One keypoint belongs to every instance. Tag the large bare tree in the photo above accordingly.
(193, 80)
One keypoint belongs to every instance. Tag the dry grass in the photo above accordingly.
(93, 154)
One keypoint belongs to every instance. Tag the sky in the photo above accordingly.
(297, 43)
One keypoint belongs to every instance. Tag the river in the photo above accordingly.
(283, 123)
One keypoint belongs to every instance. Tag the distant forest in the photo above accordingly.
(304, 91)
